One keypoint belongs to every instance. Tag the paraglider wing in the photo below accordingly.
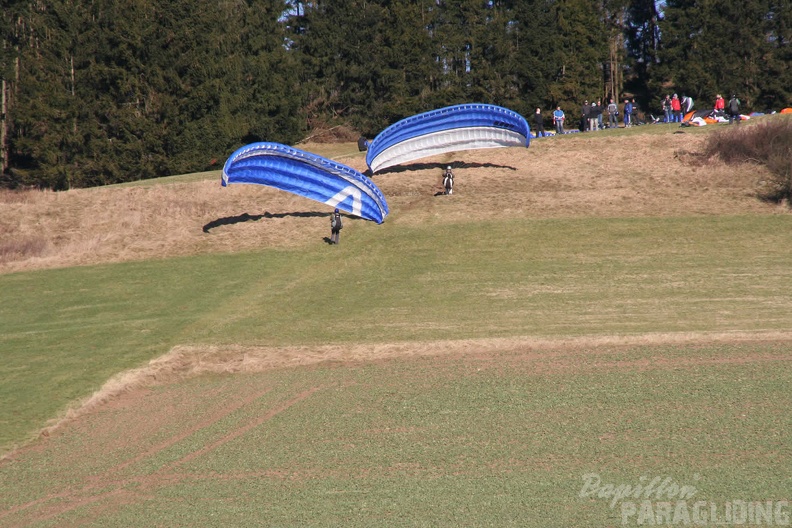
(306, 174)
(697, 113)
(459, 127)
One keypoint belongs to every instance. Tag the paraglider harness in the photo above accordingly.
(335, 222)
(448, 182)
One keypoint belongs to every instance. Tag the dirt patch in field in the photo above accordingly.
(593, 175)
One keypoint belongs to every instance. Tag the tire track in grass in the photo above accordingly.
(211, 420)
(77, 498)
(244, 429)
(103, 478)
(561, 353)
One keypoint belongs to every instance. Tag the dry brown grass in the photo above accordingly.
(768, 144)
(598, 175)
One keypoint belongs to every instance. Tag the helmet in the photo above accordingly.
(448, 168)
(336, 211)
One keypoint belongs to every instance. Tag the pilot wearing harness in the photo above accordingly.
(448, 181)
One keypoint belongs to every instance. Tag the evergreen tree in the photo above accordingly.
(718, 47)
(111, 91)
(577, 50)
(775, 84)
(43, 97)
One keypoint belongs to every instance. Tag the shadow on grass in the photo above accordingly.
(245, 217)
(440, 166)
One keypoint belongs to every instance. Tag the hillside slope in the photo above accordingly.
(635, 173)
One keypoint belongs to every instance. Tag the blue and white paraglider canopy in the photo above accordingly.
(459, 127)
(306, 174)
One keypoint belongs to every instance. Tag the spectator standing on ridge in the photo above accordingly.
(734, 110)
(687, 104)
(628, 110)
(594, 113)
(585, 112)
(667, 109)
(600, 111)
(676, 108)
(558, 120)
(335, 227)
(539, 122)
(720, 104)
(613, 115)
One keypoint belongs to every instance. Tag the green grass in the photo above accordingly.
(180, 178)
(501, 440)
(64, 332)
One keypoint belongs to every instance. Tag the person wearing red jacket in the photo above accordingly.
(720, 103)
(676, 108)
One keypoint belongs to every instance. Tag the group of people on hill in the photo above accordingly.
(733, 109)
(673, 107)
(593, 117)
(596, 116)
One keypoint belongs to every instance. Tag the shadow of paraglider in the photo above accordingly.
(440, 166)
(245, 217)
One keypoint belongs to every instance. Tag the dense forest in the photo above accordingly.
(105, 91)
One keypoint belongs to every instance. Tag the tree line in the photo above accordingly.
(105, 91)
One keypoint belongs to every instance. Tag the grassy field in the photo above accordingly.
(461, 370)
(496, 439)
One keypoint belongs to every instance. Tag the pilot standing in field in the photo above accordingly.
(448, 181)
(335, 227)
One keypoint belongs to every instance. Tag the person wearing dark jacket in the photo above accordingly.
(628, 110)
(585, 112)
(594, 116)
(734, 110)
(335, 227)
(539, 122)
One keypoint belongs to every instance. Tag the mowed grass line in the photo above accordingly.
(498, 439)
(64, 332)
